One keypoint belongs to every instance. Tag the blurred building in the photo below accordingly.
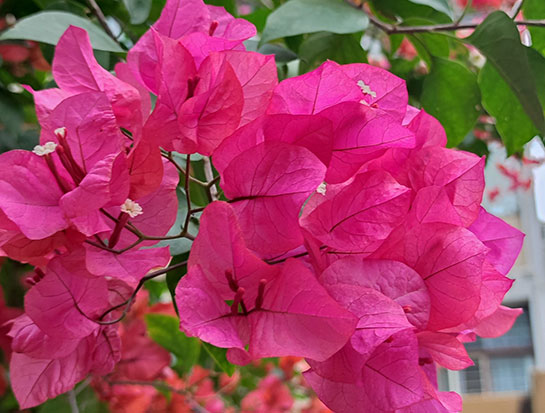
(509, 371)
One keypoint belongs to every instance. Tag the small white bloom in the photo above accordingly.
(42, 150)
(61, 132)
(366, 89)
(321, 188)
(132, 208)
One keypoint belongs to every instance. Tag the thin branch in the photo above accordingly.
(516, 9)
(209, 174)
(72, 401)
(127, 303)
(168, 155)
(102, 20)
(394, 29)
(187, 194)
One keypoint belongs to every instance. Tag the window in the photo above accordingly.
(501, 364)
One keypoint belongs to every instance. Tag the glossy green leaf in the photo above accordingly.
(180, 245)
(451, 94)
(309, 16)
(500, 101)
(165, 331)
(281, 54)
(342, 48)
(258, 18)
(498, 40)
(219, 357)
(535, 10)
(138, 10)
(442, 6)
(405, 9)
(48, 26)
(229, 5)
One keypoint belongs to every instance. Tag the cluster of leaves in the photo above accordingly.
(330, 163)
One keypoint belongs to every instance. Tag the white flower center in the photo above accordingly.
(366, 90)
(321, 188)
(42, 150)
(132, 208)
(60, 132)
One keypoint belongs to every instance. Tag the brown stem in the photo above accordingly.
(102, 20)
(187, 194)
(394, 29)
(127, 303)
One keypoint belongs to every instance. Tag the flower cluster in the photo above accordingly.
(346, 234)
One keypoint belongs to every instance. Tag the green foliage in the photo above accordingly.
(405, 9)
(48, 26)
(219, 357)
(451, 94)
(138, 10)
(309, 16)
(535, 9)
(318, 47)
(443, 6)
(165, 331)
(498, 40)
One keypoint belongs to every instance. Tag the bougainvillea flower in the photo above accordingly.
(85, 162)
(361, 133)
(268, 185)
(332, 83)
(390, 379)
(445, 349)
(199, 105)
(180, 19)
(461, 173)
(313, 132)
(498, 323)
(76, 70)
(34, 380)
(392, 279)
(276, 310)
(357, 216)
(47, 362)
(449, 259)
(68, 299)
(504, 241)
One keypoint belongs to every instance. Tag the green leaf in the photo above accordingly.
(230, 5)
(138, 10)
(165, 331)
(442, 6)
(535, 9)
(281, 54)
(11, 113)
(342, 48)
(180, 245)
(499, 100)
(219, 357)
(498, 40)
(451, 94)
(86, 399)
(309, 16)
(405, 9)
(48, 26)
(258, 18)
